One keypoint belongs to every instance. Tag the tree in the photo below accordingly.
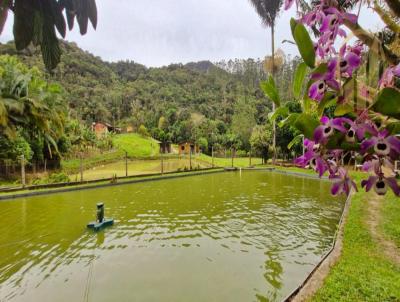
(37, 22)
(13, 150)
(203, 143)
(143, 130)
(260, 140)
(31, 109)
(243, 120)
(29, 102)
(268, 11)
(162, 123)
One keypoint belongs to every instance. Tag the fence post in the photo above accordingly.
(190, 157)
(162, 163)
(23, 181)
(250, 158)
(126, 163)
(81, 167)
(45, 165)
(232, 156)
(212, 156)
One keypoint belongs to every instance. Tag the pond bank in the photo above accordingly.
(67, 187)
(367, 268)
(365, 271)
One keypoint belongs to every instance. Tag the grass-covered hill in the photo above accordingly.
(133, 145)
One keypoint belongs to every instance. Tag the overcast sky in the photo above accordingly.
(160, 32)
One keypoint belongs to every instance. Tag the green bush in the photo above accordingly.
(52, 179)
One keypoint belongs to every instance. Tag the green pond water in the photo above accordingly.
(250, 236)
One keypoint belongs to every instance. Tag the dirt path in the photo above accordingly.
(373, 221)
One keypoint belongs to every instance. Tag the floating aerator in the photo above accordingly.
(100, 220)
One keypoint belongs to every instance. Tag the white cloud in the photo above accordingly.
(160, 32)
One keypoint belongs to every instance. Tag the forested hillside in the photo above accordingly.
(212, 103)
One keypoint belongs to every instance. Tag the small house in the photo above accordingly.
(165, 147)
(100, 129)
(188, 147)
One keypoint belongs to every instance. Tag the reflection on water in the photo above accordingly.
(222, 237)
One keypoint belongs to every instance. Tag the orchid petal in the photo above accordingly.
(367, 166)
(319, 133)
(333, 84)
(321, 167)
(368, 143)
(288, 4)
(336, 188)
(369, 183)
(396, 70)
(394, 143)
(353, 60)
(392, 182)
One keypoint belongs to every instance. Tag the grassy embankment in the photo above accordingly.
(133, 144)
(364, 272)
(227, 162)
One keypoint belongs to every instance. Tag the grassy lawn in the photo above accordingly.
(227, 162)
(391, 219)
(363, 273)
(138, 167)
(135, 145)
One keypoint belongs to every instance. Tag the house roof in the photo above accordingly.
(107, 125)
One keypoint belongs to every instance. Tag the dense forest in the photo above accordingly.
(217, 104)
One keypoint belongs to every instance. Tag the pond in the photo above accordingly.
(249, 236)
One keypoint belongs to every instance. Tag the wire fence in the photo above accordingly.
(113, 165)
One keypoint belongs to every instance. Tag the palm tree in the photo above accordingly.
(268, 11)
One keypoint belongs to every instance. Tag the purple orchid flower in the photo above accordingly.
(288, 4)
(381, 142)
(313, 17)
(375, 165)
(324, 50)
(330, 25)
(330, 36)
(388, 76)
(323, 81)
(334, 18)
(351, 134)
(355, 132)
(349, 61)
(317, 90)
(324, 131)
(380, 184)
(313, 158)
(342, 183)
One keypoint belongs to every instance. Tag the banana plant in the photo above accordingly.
(37, 22)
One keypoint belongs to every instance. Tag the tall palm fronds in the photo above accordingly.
(268, 11)
(37, 22)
